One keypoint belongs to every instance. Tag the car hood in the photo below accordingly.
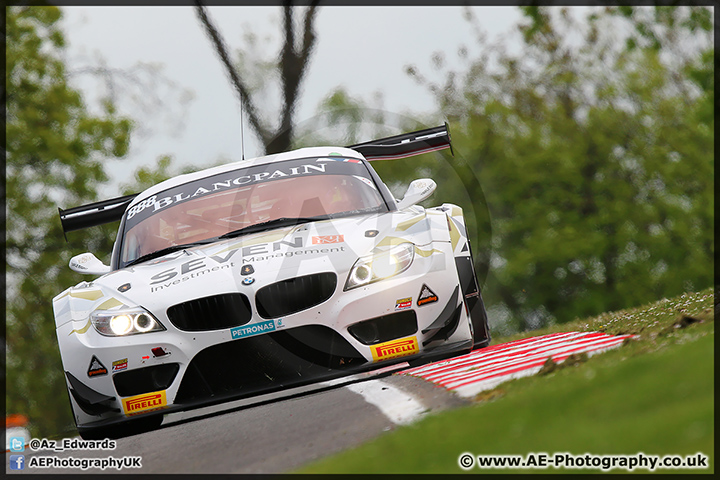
(258, 259)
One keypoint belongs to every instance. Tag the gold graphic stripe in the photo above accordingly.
(454, 233)
(81, 330)
(88, 294)
(402, 226)
(426, 253)
(109, 303)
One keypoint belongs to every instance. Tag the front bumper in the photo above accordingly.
(196, 368)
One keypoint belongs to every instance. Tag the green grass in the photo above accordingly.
(653, 395)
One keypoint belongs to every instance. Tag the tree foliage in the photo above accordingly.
(594, 148)
(55, 154)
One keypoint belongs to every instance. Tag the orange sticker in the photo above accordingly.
(395, 348)
(328, 239)
(144, 403)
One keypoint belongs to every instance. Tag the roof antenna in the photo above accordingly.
(221, 50)
(242, 131)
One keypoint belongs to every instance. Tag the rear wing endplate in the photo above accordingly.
(407, 144)
(398, 146)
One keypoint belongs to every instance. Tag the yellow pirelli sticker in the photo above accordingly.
(395, 348)
(144, 403)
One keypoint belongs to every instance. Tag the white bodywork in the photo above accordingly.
(438, 235)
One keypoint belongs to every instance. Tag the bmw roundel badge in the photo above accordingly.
(248, 280)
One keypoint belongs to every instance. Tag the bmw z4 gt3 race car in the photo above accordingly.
(260, 275)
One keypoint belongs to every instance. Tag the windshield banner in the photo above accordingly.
(243, 177)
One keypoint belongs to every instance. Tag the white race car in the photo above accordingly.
(260, 275)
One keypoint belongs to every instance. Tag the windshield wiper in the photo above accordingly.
(275, 223)
(166, 250)
(349, 213)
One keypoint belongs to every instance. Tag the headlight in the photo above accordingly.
(125, 322)
(372, 268)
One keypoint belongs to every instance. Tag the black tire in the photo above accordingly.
(125, 429)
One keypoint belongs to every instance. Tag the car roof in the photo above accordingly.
(267, 159)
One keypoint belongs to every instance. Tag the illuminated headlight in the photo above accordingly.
(125, 322)
(373, 268)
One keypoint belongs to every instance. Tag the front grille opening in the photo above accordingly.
(267, 362)
(384, 328)
(216, 312)
(145, 380)
(295, 294)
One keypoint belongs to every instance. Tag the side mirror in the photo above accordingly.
(89, 264)
(418, 191)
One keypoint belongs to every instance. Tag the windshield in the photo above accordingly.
(213, 206)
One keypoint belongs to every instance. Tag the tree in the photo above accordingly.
(595, 156)
(291, 65)
(55, 155)
(343, 120)
(141, 88)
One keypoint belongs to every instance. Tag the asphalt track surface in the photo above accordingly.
(278, 432)
(271, 433)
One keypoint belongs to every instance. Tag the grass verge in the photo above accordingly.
(653, 395)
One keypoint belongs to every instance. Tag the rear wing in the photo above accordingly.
(93, 214)
(406, 144)
(398, 146)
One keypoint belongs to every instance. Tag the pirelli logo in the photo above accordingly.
(144, 403)
(395, 348)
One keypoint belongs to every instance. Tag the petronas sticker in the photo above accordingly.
(96, 368)
(426, 296)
